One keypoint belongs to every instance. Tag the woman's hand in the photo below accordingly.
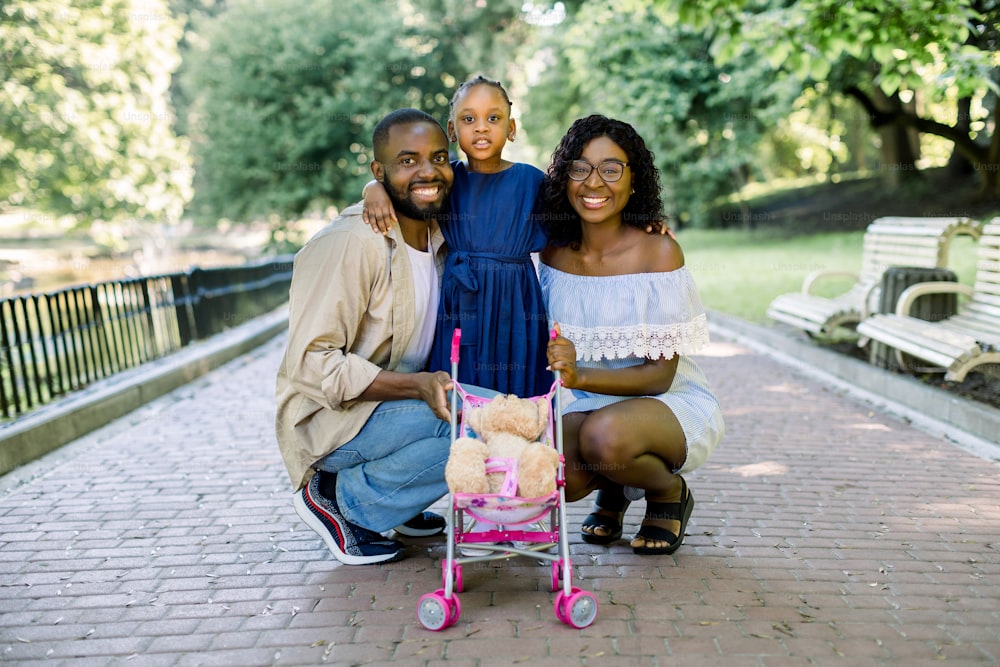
(653, 376)
(561, 354)
(378, 212)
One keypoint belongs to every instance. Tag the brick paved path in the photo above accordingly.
(824, 533)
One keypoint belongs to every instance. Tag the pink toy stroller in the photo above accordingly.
(575, 607)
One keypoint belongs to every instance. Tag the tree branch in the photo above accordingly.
(963, 142)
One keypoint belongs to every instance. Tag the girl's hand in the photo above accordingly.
(561, 354)
(661, 227)
(378, 212)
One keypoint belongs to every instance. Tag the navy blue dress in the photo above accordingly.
(489, 288)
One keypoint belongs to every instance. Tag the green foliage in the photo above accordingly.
(475, 37)
(85, 124)
(907, 41)
(941, 53)
(702, 122)
(285, 95)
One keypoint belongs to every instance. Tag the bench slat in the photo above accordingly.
(939, 224)
(925, 353)
(984, 336)
(948, 341)
(986, 303)
(874, 239)
(900, 259)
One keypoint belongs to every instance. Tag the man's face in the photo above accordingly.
(414, 170)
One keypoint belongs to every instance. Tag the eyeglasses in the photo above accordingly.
(610, 171)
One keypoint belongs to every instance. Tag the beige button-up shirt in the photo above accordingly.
(351, 315)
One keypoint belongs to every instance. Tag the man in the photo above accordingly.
(362, 429)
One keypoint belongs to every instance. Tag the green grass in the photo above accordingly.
(739, 272)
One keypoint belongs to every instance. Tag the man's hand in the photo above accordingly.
(433, 389)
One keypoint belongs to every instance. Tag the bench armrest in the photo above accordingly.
(912, 293)
(866, 302)
(815, 276)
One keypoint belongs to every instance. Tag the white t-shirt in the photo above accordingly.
(426, 294)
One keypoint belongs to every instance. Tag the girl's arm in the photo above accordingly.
(652, 377)
(378, 211)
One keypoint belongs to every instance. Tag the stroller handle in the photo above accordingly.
(456, 337)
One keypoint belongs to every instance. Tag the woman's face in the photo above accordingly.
(594, 199)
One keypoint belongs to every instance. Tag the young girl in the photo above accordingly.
(489, 287)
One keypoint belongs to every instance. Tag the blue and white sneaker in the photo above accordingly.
(425, 524)
(351, 544)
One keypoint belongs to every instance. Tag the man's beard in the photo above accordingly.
(404, 206)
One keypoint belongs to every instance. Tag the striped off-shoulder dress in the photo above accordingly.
(620, 321)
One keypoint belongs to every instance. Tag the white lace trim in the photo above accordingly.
(643, 341)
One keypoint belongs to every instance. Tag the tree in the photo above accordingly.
(628, 61)
(944, 50)
(477, 37)
(187, 13)
(285, 96)
(85, 123)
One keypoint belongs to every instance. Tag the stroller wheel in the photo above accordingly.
(456, 581)
(436, 612)
(578, 609)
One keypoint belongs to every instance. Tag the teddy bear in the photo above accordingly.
(507, 427)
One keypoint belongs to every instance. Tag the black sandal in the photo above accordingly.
(678, 512)
(611, 503)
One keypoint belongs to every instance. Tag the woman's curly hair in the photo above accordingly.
(644, 208)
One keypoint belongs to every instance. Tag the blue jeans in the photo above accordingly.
(394, 468)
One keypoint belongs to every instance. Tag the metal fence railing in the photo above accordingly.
(58, 342)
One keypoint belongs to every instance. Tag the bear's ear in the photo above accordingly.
(543, 415)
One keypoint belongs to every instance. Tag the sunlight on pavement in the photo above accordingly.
(760, 469)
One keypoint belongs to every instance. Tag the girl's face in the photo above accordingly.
(594, 199)
(481, 123)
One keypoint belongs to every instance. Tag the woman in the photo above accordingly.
(627, 312)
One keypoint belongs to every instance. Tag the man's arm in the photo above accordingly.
(330, 292)
(432, 388)
(331, 289)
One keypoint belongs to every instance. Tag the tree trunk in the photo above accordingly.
(989, 169)
(900, 146)
(958, 164)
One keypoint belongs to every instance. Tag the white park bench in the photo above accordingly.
(956, 344)
(889, 241)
